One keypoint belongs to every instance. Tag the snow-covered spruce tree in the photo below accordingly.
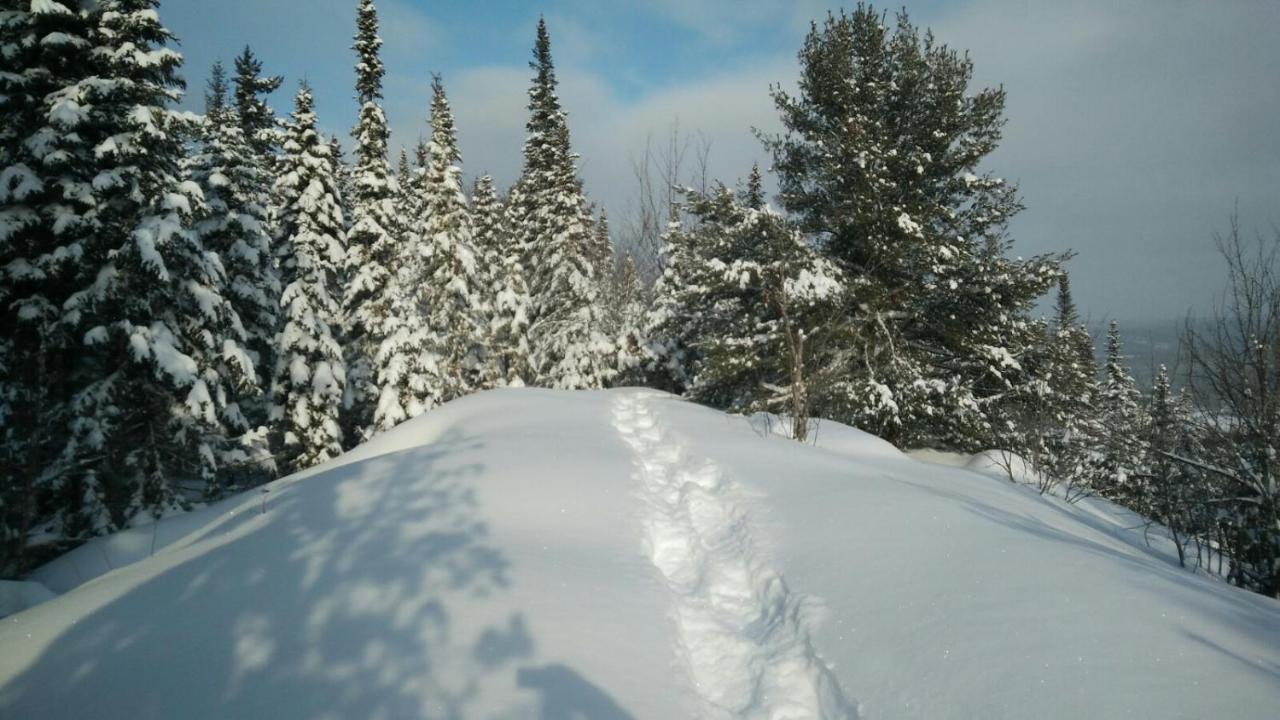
(1072, 379)
(759, 308)
(1053, 423)
(753, 195)
(507, 295)
(1165, 501)
(667, 361)
(406, 366)
(601, 254)
(372, 242)
(879, 166)
(235, 225)
(257, 121)
(553, 225)
(626, 310)
(307, 386)
(164, 365)
(46, 170)
(1115, 466)
(453, 289)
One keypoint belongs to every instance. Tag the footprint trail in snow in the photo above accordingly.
(742, 634)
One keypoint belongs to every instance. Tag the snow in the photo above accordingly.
(17, 596)
(614, 554)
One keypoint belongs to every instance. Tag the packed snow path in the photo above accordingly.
(743, 635)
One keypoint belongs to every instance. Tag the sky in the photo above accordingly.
(1134, 129)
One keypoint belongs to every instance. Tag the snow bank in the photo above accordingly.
(625, 554)
(18, 596)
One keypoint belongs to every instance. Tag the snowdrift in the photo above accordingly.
(625, 554)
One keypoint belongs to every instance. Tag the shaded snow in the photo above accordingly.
(617, 554)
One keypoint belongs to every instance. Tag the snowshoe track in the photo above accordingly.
(743, 634)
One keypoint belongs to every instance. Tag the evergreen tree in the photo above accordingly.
(307, 387)
(235, 225)
(601, 254)
(757, 307)
(1120, 428)
(257, 121)
(454, 292)
(406, 365)
(753, 197)
(372, 242)
(627, 310)
(1069, 426)
(1162, 441)
(667, 361)
(507, 295)
(45, 193)
(879, 166)
(554, 227)
(165, 363)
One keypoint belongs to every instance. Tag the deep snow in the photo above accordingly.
(616, 554)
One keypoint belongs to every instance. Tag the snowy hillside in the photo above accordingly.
(626, 554)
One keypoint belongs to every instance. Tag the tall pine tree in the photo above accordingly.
(236, 226)
(454, 291)
(257, 121)
(554, 227)
(45, 194)
(1120, 429)
(507, 295)
(880, 166)
(309, 379)
(165, 363)
(372, 242)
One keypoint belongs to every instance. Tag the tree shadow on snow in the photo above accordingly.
(343, 601)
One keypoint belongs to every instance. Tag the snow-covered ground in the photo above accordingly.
(625, 554)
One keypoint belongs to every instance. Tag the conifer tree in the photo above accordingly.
(235, 225)
(554, 227)
(758, 309)
(879, 165)
(257, 121)
(1068, 424)
(45, 194)
(627, 311)
(1120, 427)
(1162, 442)
(667, 360)
(454, 293)
(165, 364)
(602, 252)
(406, 365)
(507, 295)
(310, 375)
(372, 242)
(754, 195)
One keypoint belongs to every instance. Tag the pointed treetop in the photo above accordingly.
(369, 69)
(443, 135)
(754, 197)
(1067, 316)
(542, 54)
(1113, 341)
(256, 118)
(402, 169)
(304, 107)
(215, 96)
(543, 102)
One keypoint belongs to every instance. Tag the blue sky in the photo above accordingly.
(1133, 128)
